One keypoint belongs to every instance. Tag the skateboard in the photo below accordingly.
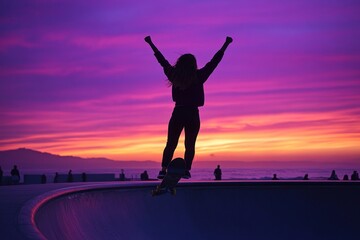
(175, 171)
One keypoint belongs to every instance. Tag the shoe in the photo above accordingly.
(187, 174)
(161, 174)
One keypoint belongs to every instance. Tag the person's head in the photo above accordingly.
(15, 167)
(184, 71)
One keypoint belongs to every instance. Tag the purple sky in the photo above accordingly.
(77, 77)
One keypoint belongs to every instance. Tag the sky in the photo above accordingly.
(77, 78)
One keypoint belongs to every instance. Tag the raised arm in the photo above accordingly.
(152, 45)
(226, 44)
(206, 71)
(219, 54)
(161, 59)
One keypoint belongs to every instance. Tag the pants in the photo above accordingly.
(187, 118)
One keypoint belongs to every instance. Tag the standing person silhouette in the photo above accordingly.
(187, 83)
(217, 173)
(15, 175)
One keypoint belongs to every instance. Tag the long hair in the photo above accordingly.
(184, 74)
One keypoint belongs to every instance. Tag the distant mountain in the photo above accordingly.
(31, 159)
(35, 160)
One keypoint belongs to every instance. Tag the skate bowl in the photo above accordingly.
(200, 210)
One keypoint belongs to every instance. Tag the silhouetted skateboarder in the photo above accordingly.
(187, 83)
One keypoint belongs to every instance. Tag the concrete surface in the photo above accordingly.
(200, 210)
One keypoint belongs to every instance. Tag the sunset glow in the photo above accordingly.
(77, 78)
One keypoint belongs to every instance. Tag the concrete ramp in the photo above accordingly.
(292, 210)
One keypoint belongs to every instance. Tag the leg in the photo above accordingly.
(192, 128)
(174, 131)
